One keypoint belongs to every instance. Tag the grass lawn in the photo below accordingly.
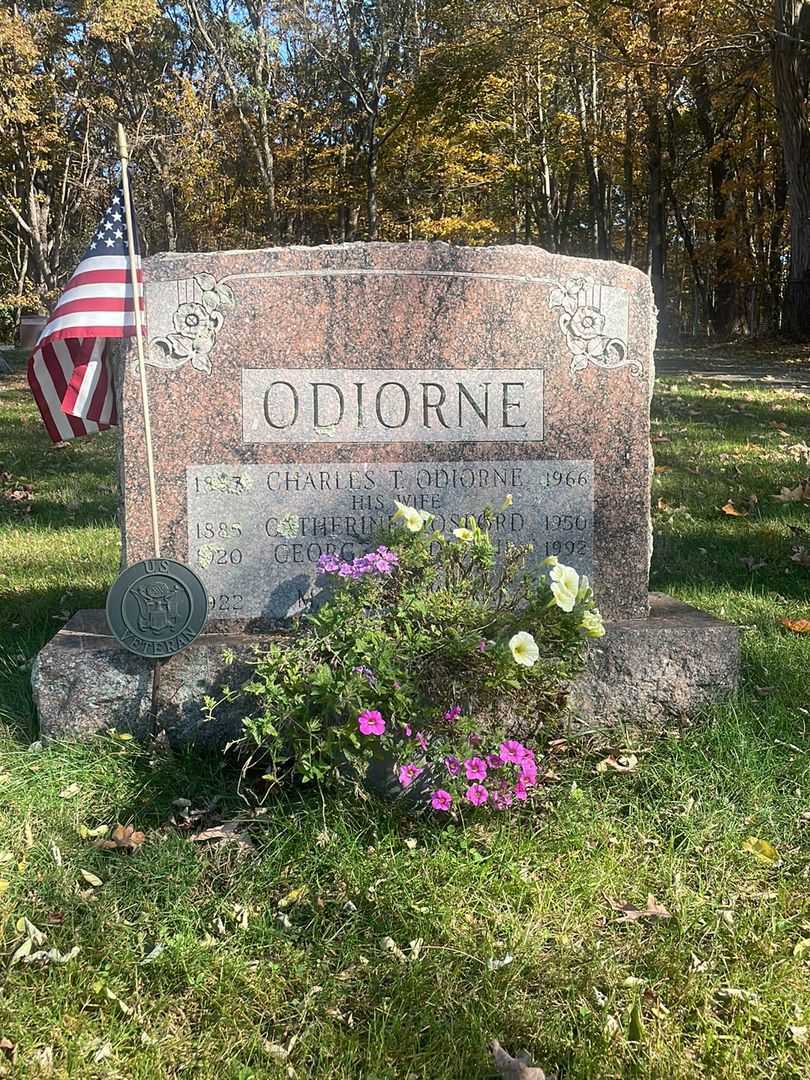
(344, 941)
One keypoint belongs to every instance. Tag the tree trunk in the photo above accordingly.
(628, 180)
(791, 79)
(775, 268)
(656, 209)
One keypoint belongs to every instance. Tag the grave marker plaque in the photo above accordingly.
(297, 392)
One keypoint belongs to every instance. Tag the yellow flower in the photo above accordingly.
(550, 560)
(564, 586)
(524, 649)
(592, 624)
(465, 535)
(411, 517)
(507, 502)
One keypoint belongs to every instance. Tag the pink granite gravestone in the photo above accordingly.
(297, 392)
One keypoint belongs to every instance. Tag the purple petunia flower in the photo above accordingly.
(513, 751)
(475, 768)
(528, 772)
(442, 800)
(494, 761)
(453, 713)
(328, 564)
(453, 765)
(476, 794)
(371, 722)
(408, 773)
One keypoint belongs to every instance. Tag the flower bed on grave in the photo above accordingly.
(431, 670)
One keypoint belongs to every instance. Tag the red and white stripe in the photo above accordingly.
(68, 372)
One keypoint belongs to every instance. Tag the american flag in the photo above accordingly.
(68, 371)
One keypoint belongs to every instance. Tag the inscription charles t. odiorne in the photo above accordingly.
(370, 405)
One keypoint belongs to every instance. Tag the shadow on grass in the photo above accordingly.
(681, 401)
(713, 559)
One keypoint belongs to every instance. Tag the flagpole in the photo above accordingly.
(136, 295)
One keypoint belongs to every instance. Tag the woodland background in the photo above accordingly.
(672, 134)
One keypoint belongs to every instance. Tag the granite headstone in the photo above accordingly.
(296, 393)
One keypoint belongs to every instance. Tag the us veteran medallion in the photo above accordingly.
(157, 607)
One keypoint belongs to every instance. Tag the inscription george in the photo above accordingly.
(369, 405)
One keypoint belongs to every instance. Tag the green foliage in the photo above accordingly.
(428, 629)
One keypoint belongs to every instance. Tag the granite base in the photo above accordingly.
(644, 672)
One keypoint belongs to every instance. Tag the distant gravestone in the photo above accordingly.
(297, 393)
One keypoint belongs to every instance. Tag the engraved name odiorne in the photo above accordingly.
(371, 405)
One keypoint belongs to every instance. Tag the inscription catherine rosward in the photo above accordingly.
(256, 532)
(370, 405)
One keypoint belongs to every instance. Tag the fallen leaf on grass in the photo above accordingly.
(91, 879)
(612, 1027)
(761, 850)
(89, 834)
(751, 564)
(799, 451)
(69, 791)
(630, 913)
(228, 830)
(494, 964)
(798, 626)
(276, 1052)
(21, 952)
(153, 954)
(25, 926)
(732, 510)
(623, 764)
(104, 1052)
(801, 948)
(514, 1068)
(293, 897)
(8, 1049)
(124, 838)
(800, 493)
(799, 1033)
(391, 946)
(661, 469)
(43, 1055)
(735, 993)
(51, 956)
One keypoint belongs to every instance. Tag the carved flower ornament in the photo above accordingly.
(196, 325)
(584, 329)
